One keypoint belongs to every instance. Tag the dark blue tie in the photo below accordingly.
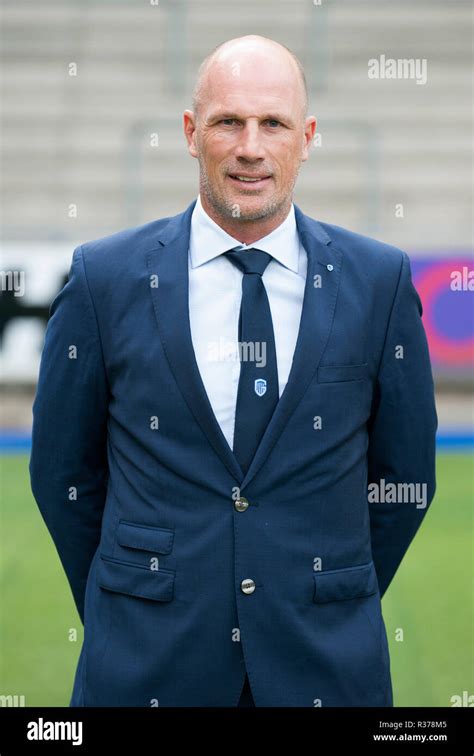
(257, 394)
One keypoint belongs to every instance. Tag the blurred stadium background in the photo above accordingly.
(84, 87)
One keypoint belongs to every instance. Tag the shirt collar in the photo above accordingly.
(208, 240)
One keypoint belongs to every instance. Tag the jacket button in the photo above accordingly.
(241, 504)
(247, 585)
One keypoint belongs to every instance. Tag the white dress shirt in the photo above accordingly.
(215, 295)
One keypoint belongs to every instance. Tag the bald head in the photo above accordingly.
(262, 55)
(250, 131)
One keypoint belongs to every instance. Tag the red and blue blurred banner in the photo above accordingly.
(448, 313)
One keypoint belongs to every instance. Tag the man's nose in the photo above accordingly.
(250, 146)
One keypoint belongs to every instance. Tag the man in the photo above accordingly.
(225, 398)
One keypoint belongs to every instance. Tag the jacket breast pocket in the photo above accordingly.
(346, 583)
(134, 568)
(342, 373)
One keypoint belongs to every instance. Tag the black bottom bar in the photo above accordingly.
(55, 730)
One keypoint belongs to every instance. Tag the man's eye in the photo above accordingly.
(271, 121)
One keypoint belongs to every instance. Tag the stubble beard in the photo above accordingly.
(231, 210)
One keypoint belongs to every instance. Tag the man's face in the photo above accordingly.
(250, 126)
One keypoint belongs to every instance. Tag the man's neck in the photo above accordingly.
(246, 231)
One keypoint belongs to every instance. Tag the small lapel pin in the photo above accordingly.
(330, 267)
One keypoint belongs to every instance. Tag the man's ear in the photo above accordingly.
(309, 131)
(189, 124)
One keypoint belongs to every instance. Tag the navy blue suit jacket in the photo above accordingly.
(138, 485)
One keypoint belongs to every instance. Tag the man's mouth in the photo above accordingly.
(253, 181)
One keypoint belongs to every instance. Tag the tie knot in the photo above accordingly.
(250, 260)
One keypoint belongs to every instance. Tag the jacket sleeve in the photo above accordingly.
(402, 433)
(68, 463)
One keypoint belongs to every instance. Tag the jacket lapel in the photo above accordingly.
(169, 262)
(319, 302)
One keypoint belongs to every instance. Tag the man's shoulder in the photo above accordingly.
(125, 242)
(358, 248)
(365, 249)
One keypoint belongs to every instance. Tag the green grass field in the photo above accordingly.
(430, 598)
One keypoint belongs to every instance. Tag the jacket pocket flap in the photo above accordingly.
(347, 583)
(329, 373)
(147, 537)
(135, 580)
